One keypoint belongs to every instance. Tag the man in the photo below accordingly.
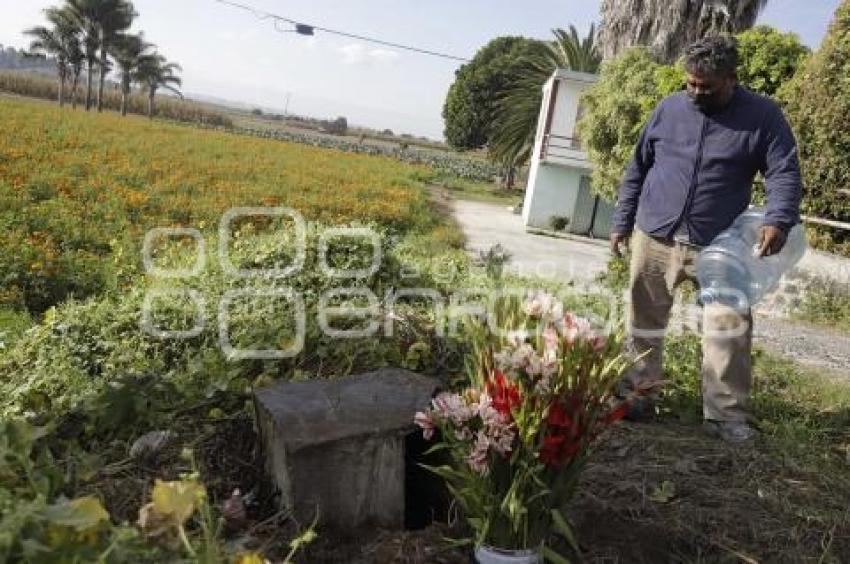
(690, 177)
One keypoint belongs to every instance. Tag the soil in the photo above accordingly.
(652, 492)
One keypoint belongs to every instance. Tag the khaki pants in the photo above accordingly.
(657, 268)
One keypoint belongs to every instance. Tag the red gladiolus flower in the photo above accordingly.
(558, 416)
(565, 434)
(616, 414)
(504, 394)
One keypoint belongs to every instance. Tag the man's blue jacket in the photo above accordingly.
(696, 170)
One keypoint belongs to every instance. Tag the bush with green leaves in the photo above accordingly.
(38, 524)
(81, 348)
(616, 109)
(769, 58)
(817, 102)
(472, 100)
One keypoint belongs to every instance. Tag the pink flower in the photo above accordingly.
(426, 421)
(453, 407)
(463, 434)
(477, 459)
(599, 343)
(498, 426)
(522, 356)
(544, 306)
(503, 360)
(574, 328)
(550, 338)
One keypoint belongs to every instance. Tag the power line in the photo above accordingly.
(307, 29)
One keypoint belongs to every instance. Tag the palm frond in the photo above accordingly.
(515, 122)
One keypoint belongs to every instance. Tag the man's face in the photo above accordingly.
(709, 91)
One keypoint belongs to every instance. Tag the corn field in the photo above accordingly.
(37, 86)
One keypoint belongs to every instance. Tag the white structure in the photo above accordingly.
(559, 178)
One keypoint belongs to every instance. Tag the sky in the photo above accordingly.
(232, 54)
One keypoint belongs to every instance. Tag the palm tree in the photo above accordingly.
(116, 16)
(84, 13)
(64, 19)
(60, 41)
(668, 27)
(129, 52)
(154, 72)
(518, 108)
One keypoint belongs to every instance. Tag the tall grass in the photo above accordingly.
(42, 86)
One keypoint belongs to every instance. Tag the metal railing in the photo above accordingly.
(560, 146)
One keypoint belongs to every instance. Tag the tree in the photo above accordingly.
(155, 72)
(49, 41)
(517, 110)
(114, 17)
(616, 109)
(84, 14)
(471, 101)
(668, 27)
(129, 52)
(817, 102)
(769, 58)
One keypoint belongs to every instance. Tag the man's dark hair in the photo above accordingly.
(713, 55)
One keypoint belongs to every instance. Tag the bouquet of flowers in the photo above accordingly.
(518, 436)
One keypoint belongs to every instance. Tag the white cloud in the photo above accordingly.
(357, 54)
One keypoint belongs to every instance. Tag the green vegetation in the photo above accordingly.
(817, 100)
(470, 105)
(769, 58)
(515, 125)
(825, 302)
(616, 109)
(448, 164)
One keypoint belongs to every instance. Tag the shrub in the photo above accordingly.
(818, 105)
(616, 109)
(769, 58)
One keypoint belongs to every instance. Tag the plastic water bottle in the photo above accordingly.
(730, 271)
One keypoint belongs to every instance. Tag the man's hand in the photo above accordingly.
(771, 240)
(618, 239)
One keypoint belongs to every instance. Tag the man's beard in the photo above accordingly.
(705, 104)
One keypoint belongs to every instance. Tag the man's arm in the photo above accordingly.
(783, 184)
(631, 187)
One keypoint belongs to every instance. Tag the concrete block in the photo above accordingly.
(339, 445)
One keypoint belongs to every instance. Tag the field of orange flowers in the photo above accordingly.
(78, 191)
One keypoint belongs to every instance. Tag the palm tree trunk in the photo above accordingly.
(62, 73)
(74, 83)
(125, 92)
(667, 28)
(151, 94)
(89, 73)
(103, 63)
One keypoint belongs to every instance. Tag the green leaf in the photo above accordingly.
(664, 493)
(81, 514)
(552, 556)
(563, 528)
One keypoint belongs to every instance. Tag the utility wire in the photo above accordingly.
(302, 26)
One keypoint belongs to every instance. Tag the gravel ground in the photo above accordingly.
(807, 344)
